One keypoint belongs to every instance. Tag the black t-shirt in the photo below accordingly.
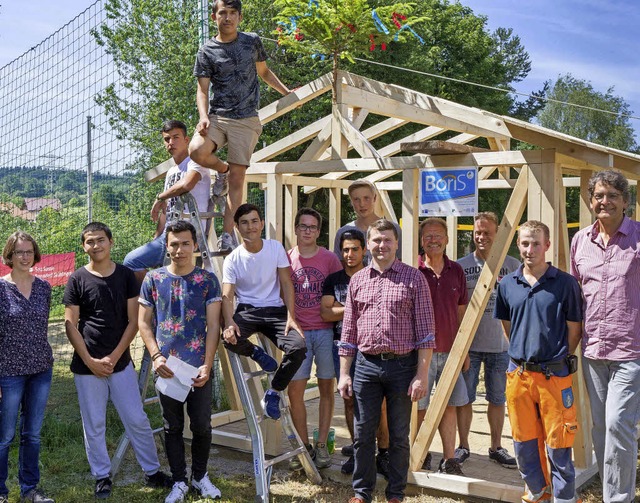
(337, 285)
(103, 312)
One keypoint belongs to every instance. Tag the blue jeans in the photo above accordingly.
(615, 410)
(374, 380)
(147, 256)
(495, 375)
(27, 394)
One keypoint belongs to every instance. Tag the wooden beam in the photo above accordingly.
(544, 199)
(346, 165)
(466, 486)
(586, 215)
(355, 138)
(424, 110)
(452, 233)
(295, 98)
(471, 320)
(290, 141)
(290, 210)
(410, 216)
(274, 207)
(387, 208)
(440, 112)
(393, 148)
(439, 147)
(159, 172)
(596, 156)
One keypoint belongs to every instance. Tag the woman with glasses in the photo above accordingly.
(26, 363)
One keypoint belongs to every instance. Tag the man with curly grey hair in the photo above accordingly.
(605, 258)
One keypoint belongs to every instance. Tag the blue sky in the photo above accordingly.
(595, 40)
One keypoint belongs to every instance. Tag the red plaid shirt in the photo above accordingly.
(388, 312)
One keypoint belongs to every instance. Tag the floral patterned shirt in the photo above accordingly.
(179, 304)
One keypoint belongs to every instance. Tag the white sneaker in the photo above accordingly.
(206, 488)
(220, 187)
(178, 492)
(226, 243)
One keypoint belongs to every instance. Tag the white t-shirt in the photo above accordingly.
(255, 275)
(201, 190)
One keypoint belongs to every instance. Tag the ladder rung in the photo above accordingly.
(249, 375)
(283, 456)
(151, 400)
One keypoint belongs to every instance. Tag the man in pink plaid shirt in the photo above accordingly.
(388, 327)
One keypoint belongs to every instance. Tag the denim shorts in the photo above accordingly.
(147, 256)
(319, 347)
(459, 394)
(495, 375)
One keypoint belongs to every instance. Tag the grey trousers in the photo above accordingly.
(614, 394)
(122, 388)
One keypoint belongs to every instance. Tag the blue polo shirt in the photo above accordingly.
(539, 314)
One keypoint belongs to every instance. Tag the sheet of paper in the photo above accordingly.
(178, 386)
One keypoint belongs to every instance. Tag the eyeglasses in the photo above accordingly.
(310, 228)
(612, 196)
(24, 253)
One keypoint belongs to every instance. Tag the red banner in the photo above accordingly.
(55, 269)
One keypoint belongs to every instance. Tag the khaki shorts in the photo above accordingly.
(241, 136)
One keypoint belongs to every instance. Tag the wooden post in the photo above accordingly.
(274, 207)
(470, 322)
(545, 182)
(583, 444)
(290, 210)
(452, 232)
(410, 183)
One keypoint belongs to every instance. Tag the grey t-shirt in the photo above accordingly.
(231, 66)
(489, 337)
(367, 258)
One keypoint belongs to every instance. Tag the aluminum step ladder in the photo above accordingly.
(254, 415)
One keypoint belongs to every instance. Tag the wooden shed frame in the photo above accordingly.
(542, 176)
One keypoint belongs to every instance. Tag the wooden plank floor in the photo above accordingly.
(477, 467)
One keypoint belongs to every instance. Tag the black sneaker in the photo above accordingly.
(502, 457)
(348, 466)
(427, 462)
(450, 467)
(462, 454)
(382, 464)
(347, 450)
(34, 496)
(158, 479)
(103, 488)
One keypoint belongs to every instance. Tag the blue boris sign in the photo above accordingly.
(449, 192)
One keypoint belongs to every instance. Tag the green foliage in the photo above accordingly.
(153, 44)
(339, 29)
(608, 129)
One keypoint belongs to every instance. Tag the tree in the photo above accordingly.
(605, 122)
(341, 30)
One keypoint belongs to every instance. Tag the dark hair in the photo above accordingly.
(180, 226)
(245, 209)
(353, 234)
(169, 125)
(382, 225)
(96, 227)
(310, 212)
(233, 4)
(611, 178)
(10, 247)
